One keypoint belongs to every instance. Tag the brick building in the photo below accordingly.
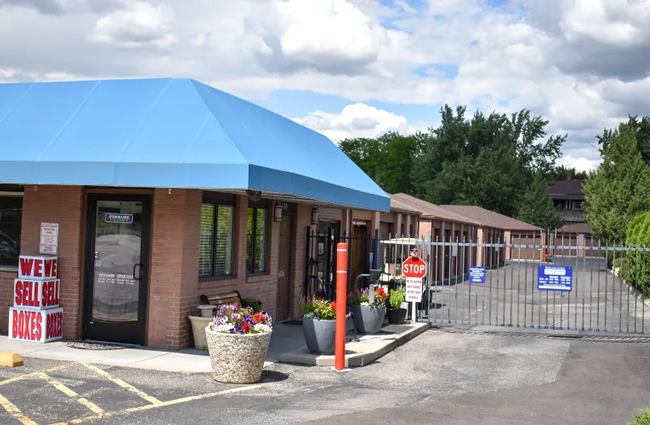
(163, 189)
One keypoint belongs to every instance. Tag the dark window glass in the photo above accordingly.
(216, 241)
(256, 240)
(11, 218)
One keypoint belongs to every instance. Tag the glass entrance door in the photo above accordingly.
(117, 255)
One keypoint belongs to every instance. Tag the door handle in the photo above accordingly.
(139, 276)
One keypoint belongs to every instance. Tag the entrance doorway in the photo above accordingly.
(284, 270)
(117, 268)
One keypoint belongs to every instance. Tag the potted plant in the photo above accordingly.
(319, 325)
(368, 316)
(238, 342)
(396, 314)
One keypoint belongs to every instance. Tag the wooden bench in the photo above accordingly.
(222, 298)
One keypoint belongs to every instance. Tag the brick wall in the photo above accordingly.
(6, 298)
(174, 266)
(53, 204)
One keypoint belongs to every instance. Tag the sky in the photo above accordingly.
(358, 68)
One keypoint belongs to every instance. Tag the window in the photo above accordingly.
(216, 242)
(11, 217)
(256, 240)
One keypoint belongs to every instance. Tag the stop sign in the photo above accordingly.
(414, 267)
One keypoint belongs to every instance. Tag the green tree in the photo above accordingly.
(458, 138)
(536, 208)
(387, 159)
(618, 190)
(641, 128)
(638, 235)
(493, 181)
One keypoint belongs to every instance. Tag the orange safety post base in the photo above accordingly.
(341, 307)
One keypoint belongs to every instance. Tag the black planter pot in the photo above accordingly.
(396, 316)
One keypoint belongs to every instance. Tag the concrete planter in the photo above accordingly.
(207, 310)
(368, 319)
(320, 334)
(198, 331)
(236, 358)
(396, 316)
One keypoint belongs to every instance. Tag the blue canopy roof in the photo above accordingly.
(170, 133)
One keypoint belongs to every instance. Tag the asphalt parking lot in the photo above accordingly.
(438, 377)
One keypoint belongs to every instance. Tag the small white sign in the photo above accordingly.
(414, 289)
(49, 238)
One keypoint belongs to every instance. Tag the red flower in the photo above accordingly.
(333, 305)
(381, 292)
(245, 327)
(258, 318)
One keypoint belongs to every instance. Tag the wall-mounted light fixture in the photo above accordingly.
(314, 215)
(277, 216)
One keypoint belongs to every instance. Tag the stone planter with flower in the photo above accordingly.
(319, 325)
(238, 342)
(368, 314)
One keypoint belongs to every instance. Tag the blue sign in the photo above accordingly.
(119, 218)
(477, 275)
(555, 278)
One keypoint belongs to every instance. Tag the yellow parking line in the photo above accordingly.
(29, 375)
(15, 412)
(161, 404)
(123, 384)
(70, 393)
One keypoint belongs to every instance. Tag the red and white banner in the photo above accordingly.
(36, 325)
(37, 294)
(38, 267)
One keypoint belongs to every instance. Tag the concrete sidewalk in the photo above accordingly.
(285, 338)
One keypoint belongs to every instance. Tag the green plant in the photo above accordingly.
(253, 303)
(363, 297)
(397, 297)
(320, 310)
(638, 236)
(642, 418)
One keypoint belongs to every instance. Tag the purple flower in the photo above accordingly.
(235, 316)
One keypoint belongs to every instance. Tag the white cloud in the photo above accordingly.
(357, 120)
(580, 164)
(582, 64)
(332, 36)
(140, 25)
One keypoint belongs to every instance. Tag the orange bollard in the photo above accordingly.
(341, 301)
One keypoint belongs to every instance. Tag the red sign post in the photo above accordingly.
(414, 270)
(341, 307)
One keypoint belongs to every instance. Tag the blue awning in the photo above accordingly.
(169, 133)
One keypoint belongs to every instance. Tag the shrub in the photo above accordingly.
(318, 309)
(642, 418)
(638, 235)
(253, 303)
(397, 297)
(363, 297)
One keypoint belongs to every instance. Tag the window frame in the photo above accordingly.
(13, 192)
(255, 207)
(217, 201)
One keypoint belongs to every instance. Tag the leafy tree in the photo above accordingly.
(493, 181)
(457, 138)
(641, 128)
(387, 159)
(619, 189)
(536, 208)
(638, 235)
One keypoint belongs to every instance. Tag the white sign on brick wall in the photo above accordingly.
(49, 238)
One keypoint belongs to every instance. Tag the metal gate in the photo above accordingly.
(609, 283)
(607, 293)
